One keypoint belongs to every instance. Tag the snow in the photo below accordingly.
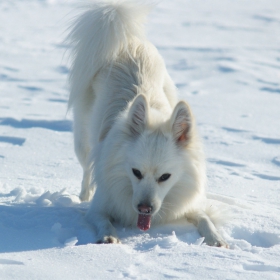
(224, 57)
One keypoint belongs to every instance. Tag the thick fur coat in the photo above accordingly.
(142, 159)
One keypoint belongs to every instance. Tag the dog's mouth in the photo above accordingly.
(144, 216)
(144, 221)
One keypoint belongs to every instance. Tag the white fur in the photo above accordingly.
(126, 115)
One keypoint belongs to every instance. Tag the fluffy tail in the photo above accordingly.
(97, 37)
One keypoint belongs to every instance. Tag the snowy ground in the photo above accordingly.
(225, 59)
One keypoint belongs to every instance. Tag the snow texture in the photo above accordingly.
(224, 57)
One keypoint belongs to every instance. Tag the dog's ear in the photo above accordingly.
(181, 123)
(138, 115)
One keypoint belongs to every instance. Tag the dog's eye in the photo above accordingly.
(137, 173)
(164, 177)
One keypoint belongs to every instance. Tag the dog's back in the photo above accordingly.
(137, 70)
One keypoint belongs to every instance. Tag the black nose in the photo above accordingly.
(145, 208)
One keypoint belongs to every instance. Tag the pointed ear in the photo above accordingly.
(138, 115)
(181, 123)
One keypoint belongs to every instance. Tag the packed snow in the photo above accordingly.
(224, 57)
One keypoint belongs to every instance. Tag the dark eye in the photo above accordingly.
(137, 173)
(164, 177)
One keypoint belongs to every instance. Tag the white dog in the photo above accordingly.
(142, 159)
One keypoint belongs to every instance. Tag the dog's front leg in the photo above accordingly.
(106, 233)
(207, 229)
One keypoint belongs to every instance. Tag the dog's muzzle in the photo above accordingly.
(145, 209)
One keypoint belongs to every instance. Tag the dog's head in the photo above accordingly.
(156, 154)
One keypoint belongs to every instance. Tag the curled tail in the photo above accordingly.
(97, 37)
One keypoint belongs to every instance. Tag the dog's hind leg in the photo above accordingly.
(87, 190)
(82, 109)
(207, 229)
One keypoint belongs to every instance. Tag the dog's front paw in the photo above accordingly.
(108, 240)
(216, 240)
(218, 243)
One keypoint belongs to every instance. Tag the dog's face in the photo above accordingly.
(155, 161)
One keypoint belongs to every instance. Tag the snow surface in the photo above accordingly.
(225, 59)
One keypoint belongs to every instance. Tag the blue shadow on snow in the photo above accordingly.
(12, 140)
(57, 125)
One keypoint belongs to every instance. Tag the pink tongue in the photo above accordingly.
(144, 221)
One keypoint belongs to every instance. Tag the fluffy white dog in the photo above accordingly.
(143, 162)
